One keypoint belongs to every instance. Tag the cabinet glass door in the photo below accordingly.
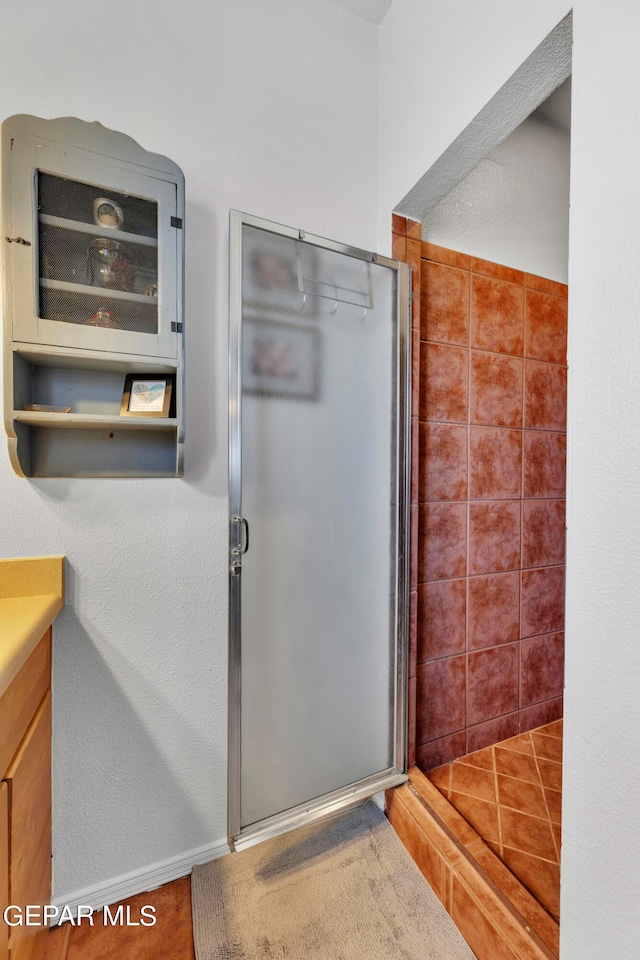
(97, 266)
(103, 275)
(319, 380)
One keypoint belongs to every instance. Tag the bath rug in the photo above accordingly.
(345, 889)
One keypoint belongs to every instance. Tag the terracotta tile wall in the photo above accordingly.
(487, 500)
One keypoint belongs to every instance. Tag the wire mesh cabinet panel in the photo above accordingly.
(92, 302)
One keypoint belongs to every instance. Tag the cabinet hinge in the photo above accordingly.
(176, 222)
(176, 327)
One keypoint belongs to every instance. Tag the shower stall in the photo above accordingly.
(318, 567)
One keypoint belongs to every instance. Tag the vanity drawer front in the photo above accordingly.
(30, 942)
(20, 701)
(29, 778)
(4, 865)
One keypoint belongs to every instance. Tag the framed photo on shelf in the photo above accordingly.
(146, 396)
(280, 360)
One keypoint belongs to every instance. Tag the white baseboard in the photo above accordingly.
(141, 881)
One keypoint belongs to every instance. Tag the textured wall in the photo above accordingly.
(240, 95)
(514, 207)
(600, 903)
(440, 65)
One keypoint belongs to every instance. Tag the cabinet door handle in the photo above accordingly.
(25, 243)
(238, 551)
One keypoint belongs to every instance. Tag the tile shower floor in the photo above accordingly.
(511, 795)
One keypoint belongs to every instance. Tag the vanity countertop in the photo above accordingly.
(31, 596)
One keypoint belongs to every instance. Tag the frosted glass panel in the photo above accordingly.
(319, 463)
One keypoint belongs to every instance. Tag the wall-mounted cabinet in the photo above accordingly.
(93, 247)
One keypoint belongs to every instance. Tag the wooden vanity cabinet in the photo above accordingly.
(25, 801)
(4, 864)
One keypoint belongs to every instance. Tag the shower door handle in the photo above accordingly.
(238, 551)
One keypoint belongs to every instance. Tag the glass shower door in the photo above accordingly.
(318, 447)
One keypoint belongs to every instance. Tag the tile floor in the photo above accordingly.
(171, 938)
(511, 795)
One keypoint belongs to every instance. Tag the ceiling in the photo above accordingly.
(372, 10)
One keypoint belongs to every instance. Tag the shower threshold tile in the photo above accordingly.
(522, 822)
(514, 919)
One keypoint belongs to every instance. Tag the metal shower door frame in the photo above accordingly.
(352, 793)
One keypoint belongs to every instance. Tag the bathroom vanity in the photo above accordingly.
(31, 595)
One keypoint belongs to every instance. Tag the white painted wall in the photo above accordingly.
(514, 207)
(269, 108)
(601, 852)
(440, 63)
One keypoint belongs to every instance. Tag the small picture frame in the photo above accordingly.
(145, 396)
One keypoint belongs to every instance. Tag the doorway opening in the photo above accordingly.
(489, 443)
